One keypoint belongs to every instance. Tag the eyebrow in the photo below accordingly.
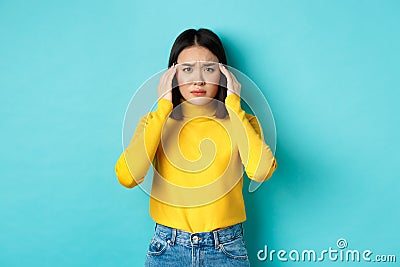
(204, 65)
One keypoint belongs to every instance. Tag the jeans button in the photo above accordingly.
(195, 238)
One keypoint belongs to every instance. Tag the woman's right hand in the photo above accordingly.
(165, 85)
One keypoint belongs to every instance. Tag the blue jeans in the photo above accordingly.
(172, 247)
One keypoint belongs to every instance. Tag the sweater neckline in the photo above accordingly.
(190, 110)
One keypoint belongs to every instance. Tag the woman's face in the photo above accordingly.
(197, 74)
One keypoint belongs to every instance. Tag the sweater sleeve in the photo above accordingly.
(136, 159)
(256, 155)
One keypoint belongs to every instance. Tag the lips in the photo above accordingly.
(198, 92)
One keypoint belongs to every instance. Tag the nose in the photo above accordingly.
(198, 78)
(199, 83)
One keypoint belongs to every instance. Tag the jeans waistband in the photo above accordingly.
(213, 238)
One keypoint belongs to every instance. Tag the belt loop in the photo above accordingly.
(216, 239)
(173, 236)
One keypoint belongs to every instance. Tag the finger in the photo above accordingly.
(170, 71)
(229, 76)
(171, 74)
(223, 69)
(234, 78)
(235, 82)
(166, 75)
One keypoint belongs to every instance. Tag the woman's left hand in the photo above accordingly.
(232, 83)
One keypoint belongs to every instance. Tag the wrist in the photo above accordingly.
(232, 102)
(164, 105)
(232, 98)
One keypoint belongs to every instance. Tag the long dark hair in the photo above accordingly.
(208, 39)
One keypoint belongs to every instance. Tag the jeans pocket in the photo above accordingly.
(235, 249)
(157, 246)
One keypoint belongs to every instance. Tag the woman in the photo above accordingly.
(197, 140)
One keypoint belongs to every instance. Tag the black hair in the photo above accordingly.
(204, 38)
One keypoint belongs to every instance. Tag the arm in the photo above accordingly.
(256, 155)
(135, 161)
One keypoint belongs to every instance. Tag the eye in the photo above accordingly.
(210, 69)
(187, 69)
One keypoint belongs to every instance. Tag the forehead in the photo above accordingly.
(196, 53)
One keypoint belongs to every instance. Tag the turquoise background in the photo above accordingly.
(68, 69)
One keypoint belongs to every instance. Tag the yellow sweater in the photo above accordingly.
(197, 184)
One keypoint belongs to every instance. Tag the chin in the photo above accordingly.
(200, 100)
